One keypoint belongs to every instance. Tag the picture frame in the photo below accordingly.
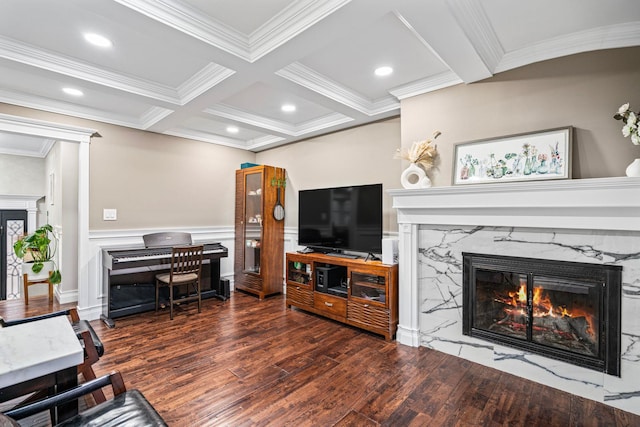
(533, 156)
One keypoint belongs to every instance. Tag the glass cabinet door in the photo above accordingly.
(368, 287)
(253, 222)
(299, 272)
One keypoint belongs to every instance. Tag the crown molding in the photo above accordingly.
(26, 54)
(312, 80)
(473, 20)
(206, 137)
(203, 80)
(44, 104)
(322, 123)
(153, 116)
(607, 37)
(384, 105)
(251, 119)
(439, 81)
(293, 20)
(450, 43)
(263, 143)
(288, 129)
(46, 147)
(190, 21)
(208, 77)
(304, 76)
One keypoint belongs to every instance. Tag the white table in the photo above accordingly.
(43, 352)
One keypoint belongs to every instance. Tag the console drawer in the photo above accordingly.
(369, 315)
(299, 295)
(330, 304)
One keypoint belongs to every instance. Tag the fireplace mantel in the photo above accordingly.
(582, 220)
(602, 203)
(592, 204)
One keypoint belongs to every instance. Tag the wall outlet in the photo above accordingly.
(109, 214)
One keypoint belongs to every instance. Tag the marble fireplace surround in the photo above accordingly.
(586, 220)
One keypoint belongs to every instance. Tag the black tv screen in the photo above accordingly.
(341, 218)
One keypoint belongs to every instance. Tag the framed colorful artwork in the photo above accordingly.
(524, 157)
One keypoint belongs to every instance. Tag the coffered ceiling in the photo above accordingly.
(220, 71)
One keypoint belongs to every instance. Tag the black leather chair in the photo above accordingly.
(128, 407)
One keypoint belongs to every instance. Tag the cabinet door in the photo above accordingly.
(368, 301)
(368, 287)
(299, 272)
(253, 216)
(299, 281)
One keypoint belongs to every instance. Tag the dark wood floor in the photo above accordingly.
(248, 362)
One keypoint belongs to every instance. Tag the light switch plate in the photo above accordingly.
(109, 214)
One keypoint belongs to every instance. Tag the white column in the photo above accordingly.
(408, 304)
(83, 223)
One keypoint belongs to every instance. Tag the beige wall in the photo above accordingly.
(157, 181)
(153, 180)
(582, 90)
(362, 155)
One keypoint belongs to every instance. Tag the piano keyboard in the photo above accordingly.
(122, 258)
(135, 255)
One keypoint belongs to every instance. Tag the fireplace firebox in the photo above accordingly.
(568, 311)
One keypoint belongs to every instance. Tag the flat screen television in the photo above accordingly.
(341, 219)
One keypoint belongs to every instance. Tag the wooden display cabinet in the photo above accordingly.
(366, 297)
(259, 237)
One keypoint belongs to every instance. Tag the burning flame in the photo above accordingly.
(543, 307)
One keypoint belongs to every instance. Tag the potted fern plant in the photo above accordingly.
(37, 250)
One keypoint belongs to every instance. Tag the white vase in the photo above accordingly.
(634, 168)
(414, 177)
(42, 274)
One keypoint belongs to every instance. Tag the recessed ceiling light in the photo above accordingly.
(71, 91)
(97, 40)
(233, 129)
(383, 71)
(288, 108)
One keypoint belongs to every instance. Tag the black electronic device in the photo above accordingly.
(330, 276)
(224, 291)
(341, 218)
(340, 291)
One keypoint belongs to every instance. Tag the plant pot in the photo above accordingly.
(27, 268)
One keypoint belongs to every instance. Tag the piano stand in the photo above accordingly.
(130, 281)
(107, 321)
(223, 291)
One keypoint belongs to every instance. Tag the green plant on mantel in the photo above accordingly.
(37, 248)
